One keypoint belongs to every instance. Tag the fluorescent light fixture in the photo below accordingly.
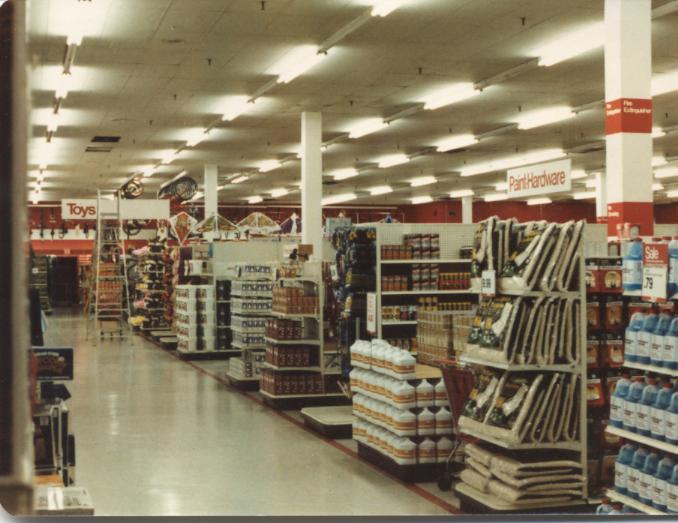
(657, 186)
(666, 172)
(196, 137)
(664, 83)
(586, 195)
(461, 193)
(450, 95)
(672, 194)
(75, 36)
(53, 122)
(277, 193)
(255, 199)
(366, 127)
(571, 44)
(380, 189)
(235, 106)
(297, 62)
(456, 142)
(418, 200)
(148, 172)
(43, 165)
(269, 165)
(591, 184)
(385, 7)
(423, 180)
(495, 197)
(169, 157)
(240, 179)
(392, 160)
(513, 161)
(343, 174)
(65, 84)
(501, 186)
(658, 132)
(339, 198)
(538, 201)
(544, 117)
(658, 161)
(578, 174)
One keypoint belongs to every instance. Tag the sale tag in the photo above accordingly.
(488, 283)
(655, 272)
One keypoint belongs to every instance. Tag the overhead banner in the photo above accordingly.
(543, 178)
(86, 209)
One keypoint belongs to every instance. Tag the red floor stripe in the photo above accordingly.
(409, 486)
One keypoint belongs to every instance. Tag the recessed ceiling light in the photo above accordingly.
(571, 43)
(501, 186)
(385, 7)
(512, 161)
(456, 142)
(298, 62)
(658, 132)
(366, 127)
(657, 186)
(577, 174)
(461, 193)
(664, 83)
(196, 137)
(544, 117)
(255, 199)
(418, 200)
(495, 197)
(672, 194)
(235, 106)
(343, 174)
(277, 193)
(65, 84)
(450, 95)
(658, 161)
(380, 189)
(269, 165)
(666, 172)
(421, 181)
(586, 195)
(393, 160)
(169, 157)
(240, 179)
(338, 198)
(538, 201)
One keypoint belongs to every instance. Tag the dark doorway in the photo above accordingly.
(64, 281)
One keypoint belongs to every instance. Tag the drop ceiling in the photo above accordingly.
(156, 71)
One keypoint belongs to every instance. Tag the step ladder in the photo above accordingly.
(111, 292)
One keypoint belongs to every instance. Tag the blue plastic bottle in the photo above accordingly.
(670, 353)
(646, 478)
(671, 420)
(672, 493)
(661, 478)
(631, 337)
(631, 403)
(658, 412)
(644, 407)
(621, 468)
(645, 339)
(621, 391)
(657, 343)
(637, 465)
(673, 266)
(632, 268)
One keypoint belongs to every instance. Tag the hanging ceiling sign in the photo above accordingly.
(542, 178)
(86, 209)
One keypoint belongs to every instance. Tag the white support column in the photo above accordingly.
(628, 118)
(601, 196)
(467, 209)
(211, 198)
(311, 181)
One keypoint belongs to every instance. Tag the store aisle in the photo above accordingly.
(156, 436)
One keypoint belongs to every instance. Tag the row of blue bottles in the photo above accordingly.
(644, 475)
(642, 407)
(673, 266)
(652, 339)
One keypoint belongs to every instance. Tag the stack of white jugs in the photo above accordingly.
(382, 401)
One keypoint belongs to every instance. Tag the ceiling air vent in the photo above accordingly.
(106, 139)
(103, 149)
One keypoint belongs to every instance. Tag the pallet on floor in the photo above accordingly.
(334, 422)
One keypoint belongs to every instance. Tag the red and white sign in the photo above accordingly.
(628, 115)
(655, 271)
(86, 209)
(371, 313)
(543, 178)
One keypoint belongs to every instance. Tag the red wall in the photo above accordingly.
(667, 213)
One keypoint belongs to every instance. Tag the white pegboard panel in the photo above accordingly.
(666, 229)
(453, 236)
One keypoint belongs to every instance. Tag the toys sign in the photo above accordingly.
(543, 178)
(655, 271)
(79, 209)
(86, 209)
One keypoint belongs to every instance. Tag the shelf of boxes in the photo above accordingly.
(195, 319)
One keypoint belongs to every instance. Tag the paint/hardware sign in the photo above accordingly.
(655, 271)
(542, 178)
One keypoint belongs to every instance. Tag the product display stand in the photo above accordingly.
(419, 267)
(195, 321)
(39, 279)
(298, 369)
(547, 371)
(250, 307)
(151, 289)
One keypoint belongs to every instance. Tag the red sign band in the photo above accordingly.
(628, 115)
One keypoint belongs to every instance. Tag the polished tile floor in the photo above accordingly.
(155, 436)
